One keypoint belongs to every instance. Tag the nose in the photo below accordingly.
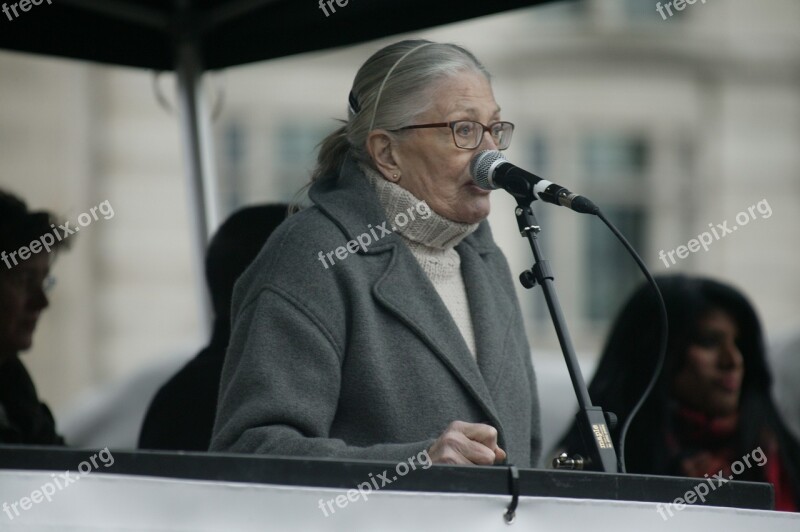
(37, 299)
(487, 142)
(730, 356)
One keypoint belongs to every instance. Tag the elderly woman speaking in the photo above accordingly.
(382, 321)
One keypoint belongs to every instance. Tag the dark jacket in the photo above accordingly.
(23, 418)
(362, 359)
(181, 415)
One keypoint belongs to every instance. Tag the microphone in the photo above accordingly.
(491, 170)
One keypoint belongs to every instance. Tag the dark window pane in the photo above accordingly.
(540, 165)
(610, 156)
(297, 154)
(610, 272)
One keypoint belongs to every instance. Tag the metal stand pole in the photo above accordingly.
(198, 155)
(591, 419)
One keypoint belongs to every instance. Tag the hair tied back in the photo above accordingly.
(355, 107)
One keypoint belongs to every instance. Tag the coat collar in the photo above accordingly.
(351, 203)
(405, 291)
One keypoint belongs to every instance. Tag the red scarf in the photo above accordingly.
(704, 445)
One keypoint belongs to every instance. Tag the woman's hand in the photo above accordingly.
(467, 443)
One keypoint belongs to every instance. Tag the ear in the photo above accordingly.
(381, 148)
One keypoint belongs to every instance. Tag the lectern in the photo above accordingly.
(231, 493)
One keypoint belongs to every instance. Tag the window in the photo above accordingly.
(540, 165)
(610, 272)
(615, 166)
(232, 165)
(296, 156)
(613, 156)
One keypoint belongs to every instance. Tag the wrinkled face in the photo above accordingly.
(711, 377)
(432, 167)
(22, 300)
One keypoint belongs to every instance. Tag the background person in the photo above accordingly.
(785, 362)
(181, 415)
(23, 418)
(414, 343)
(712, 404)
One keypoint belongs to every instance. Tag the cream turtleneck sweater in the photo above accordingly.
(431, 240)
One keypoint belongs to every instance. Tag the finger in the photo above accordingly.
(457, 448)
(479, 454)
(449, 456)
(499, 455)
(485, 434)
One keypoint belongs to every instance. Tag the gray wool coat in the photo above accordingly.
(361, 359)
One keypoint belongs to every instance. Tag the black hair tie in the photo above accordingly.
(354, 106)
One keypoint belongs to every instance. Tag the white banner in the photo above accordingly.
(108, 503)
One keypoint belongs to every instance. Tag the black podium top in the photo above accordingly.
(329, 473)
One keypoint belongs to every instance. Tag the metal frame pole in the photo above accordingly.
(199, 159)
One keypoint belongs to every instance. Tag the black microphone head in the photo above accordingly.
(483, 165)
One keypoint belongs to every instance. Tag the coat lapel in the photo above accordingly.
(407, 293)
(404, 289)
(486, 307)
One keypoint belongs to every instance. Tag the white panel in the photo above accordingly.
(119, 502)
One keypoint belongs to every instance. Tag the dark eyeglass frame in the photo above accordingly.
(29, 281)
(452, 126)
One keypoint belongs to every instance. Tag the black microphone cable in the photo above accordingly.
(662, 344)
(483, 167)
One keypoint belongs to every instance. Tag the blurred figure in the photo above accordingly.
(24, 277)
(181, 415)
(785, 361)
(711, 406)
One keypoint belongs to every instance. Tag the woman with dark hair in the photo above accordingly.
(23, 282)
(711, 405)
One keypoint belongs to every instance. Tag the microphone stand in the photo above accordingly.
(592, 421)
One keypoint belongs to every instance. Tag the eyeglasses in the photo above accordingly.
(29, 280)
(468, 134)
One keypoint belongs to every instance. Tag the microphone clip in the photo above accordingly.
(527, 223)
(528, 228)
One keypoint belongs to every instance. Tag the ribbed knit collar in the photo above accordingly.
(435, 231)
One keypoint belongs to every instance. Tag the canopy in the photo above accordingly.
(144, 33)
(191, 36)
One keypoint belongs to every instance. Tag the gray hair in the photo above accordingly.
(390, 90)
